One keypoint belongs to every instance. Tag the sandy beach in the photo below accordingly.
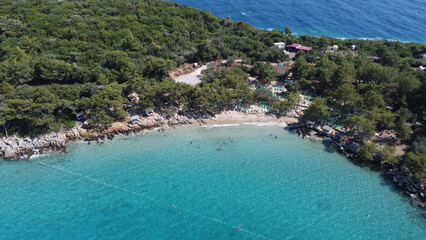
(16, 147)
(236, 117)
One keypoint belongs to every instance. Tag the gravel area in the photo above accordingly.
(193, 78)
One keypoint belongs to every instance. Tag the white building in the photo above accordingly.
(279, 45)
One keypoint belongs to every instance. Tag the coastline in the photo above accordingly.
(16, 148)
(19, 148)
(176, 172)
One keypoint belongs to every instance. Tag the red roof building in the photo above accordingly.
(304, 48)
(296, 47)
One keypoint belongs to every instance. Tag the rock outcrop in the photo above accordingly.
(401, 178)
(15, 147)
(346, 146)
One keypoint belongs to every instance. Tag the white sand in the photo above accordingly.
(193, 78)
(235, 117)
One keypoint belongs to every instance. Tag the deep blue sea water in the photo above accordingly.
(402, 20)
(284, 188)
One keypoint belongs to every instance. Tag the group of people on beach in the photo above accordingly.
(250, 109)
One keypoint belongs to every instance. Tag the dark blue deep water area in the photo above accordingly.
(402, 20)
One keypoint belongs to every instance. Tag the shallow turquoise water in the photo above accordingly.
(288, 188)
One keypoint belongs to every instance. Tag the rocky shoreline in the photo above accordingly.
(396, 173)
(16, 148)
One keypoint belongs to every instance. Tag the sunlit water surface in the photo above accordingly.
(276, 188)
(401, 20)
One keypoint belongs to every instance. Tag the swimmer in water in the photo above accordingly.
(219, 148)
(198, 145)
(191, 142)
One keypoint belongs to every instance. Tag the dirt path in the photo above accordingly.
(193, 78)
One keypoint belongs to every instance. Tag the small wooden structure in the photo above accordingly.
(338, 136)
(86, 124)
(310, 124)
(353, 147)
(128, 106)
(80, 116)
(281, 70)
(327, 130)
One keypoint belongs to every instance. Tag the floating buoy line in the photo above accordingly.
(155, 200)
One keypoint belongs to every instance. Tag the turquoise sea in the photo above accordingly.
(162, 186)
(401, 20)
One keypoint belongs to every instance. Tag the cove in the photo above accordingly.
(273, 188)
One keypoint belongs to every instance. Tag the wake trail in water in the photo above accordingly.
(155, 200)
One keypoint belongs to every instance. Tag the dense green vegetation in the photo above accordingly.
(87, 55)
(369, 95)
(58, 58)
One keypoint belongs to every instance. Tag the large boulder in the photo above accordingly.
(73, 134)
(25, 143)
(9, 153)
